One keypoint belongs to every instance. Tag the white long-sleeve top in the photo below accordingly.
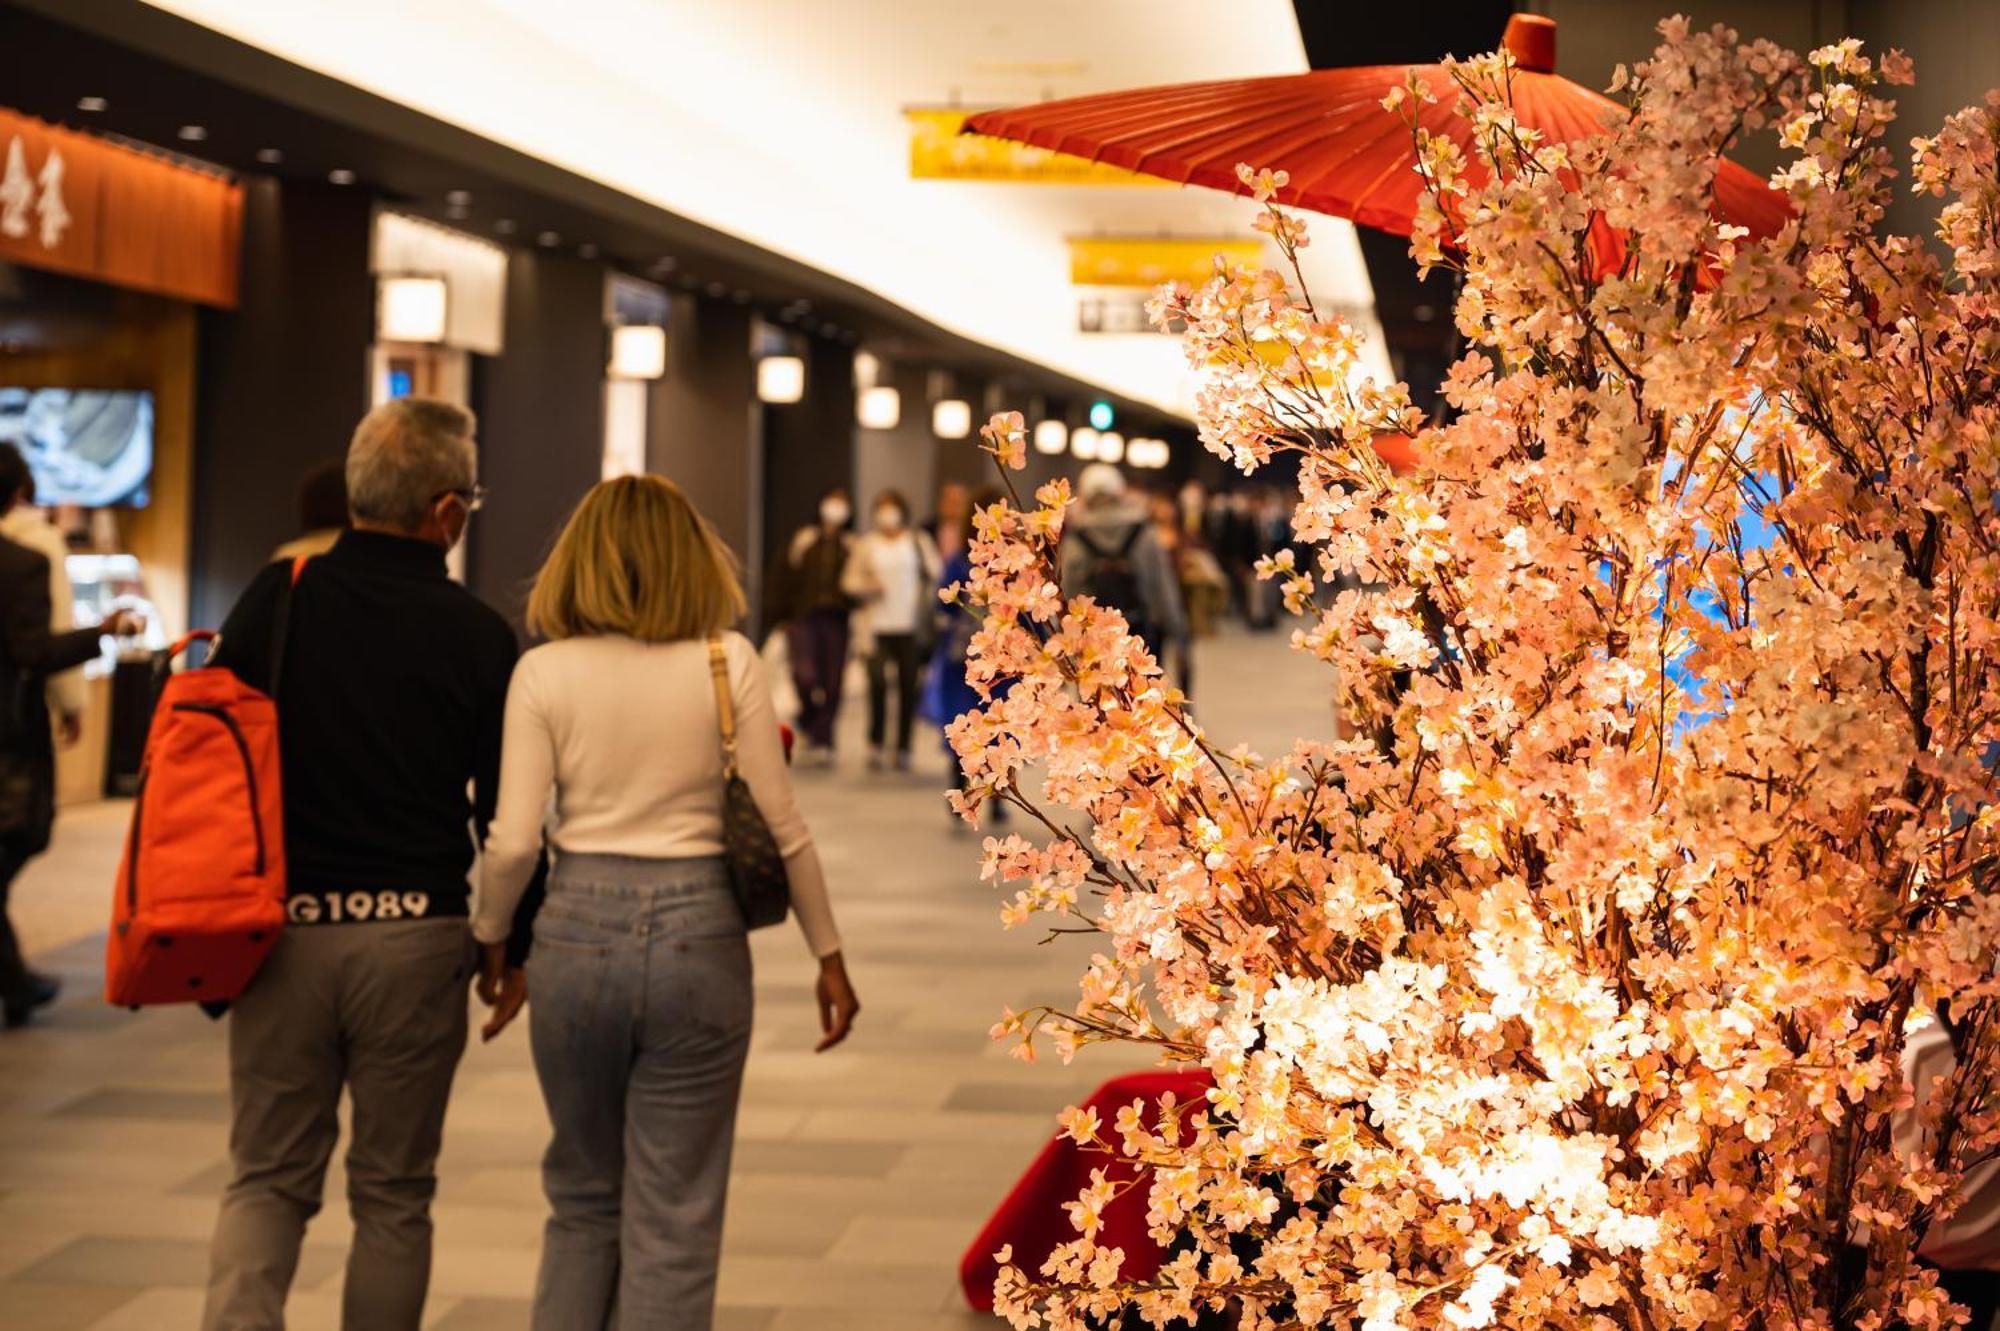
(625, 734)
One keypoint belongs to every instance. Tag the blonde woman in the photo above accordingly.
(640, 970)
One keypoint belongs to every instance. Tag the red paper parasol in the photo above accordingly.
(1346, 154)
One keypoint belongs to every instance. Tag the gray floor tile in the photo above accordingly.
(1020, 1096)
(485, 1315)
(38, 1306)
(116, 1261)
(150, 1103)
(859, 1160)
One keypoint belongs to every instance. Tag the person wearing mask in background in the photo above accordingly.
(30, 654)
(1112, 553)
(953, 695)
(950, 528)
(1191, 509)
(1234, 534)
(808, 600)
(322, 504)
(1271, 531)
(893, 572)
(25, 524)
(1175, 651)
(641, 971)
(392, 689)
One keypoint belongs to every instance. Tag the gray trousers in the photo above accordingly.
(639, 1012)
(379, 1009)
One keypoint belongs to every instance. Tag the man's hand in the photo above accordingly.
(837, 1004)
(502, 988)
(123, 624)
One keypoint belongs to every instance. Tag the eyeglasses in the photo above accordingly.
(473, 497)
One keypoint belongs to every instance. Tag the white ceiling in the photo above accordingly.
(780, 121)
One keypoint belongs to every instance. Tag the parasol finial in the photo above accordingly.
(1531, 40)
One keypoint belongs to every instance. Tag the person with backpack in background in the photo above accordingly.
(32, 651)
(1111, 554)
(390, 696)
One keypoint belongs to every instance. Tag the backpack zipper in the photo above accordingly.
(249, 768)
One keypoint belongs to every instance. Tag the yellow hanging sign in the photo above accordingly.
(1148, 261)
(938, 151)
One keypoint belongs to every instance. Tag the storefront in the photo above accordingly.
(107, 251)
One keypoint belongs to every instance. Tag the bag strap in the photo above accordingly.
(281, 623)
(725, 710)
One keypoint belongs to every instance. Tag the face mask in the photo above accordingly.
(889, 519)
(834, 512)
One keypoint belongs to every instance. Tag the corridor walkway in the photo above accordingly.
(860, 1175)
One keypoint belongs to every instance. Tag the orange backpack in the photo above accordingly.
(201, 887)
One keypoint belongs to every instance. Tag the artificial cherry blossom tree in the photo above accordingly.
(1574, 989)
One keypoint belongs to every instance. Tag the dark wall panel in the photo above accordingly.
(281, 380)
(700, 417)
(808, 445)
(541, 421)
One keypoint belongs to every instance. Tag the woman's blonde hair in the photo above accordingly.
(636, 558)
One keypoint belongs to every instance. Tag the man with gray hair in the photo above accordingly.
(391, 681)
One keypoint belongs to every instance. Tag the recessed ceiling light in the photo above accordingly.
(505, 226)
(717, 290)
(458, 198)
(740, 296)
(192, 133)
(270, 156)
(341, 176)
(92, 104)
(586, 250)
(664, 264)
(548, 238)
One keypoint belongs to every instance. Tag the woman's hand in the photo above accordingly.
(837, 1004)
(502, 988)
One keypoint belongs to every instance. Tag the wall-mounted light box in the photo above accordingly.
(411, 309)
(781, 380)
(879, 408)
(638, 351)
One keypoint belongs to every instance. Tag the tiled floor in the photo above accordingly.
(860, 1175)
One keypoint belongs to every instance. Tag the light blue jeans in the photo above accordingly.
(639, 1014)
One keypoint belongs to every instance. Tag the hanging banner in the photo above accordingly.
(77, 204)
(1148, 261)
(938, 151)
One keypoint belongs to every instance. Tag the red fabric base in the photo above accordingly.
(1032, 1218)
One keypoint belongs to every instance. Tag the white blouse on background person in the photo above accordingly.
(626, 736)
(899, 572)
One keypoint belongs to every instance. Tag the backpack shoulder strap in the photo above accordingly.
(1096, 551)
(281, 623)
(1132, 536)
(725, 709)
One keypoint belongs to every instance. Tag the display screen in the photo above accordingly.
(86, 446)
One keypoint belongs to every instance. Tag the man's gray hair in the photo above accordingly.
(404, 455)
